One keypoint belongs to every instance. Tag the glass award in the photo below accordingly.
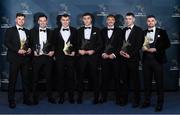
(125, 46)
(67, 48)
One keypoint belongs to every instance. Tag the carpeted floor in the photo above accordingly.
(171, 106)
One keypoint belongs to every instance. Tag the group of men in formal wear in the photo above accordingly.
(76, 53)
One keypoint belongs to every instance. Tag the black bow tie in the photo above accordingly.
(110, 29)
(127, 28)
(87, 27)
(65, 29)
(149, 31)
(41, 30)
(21, 29)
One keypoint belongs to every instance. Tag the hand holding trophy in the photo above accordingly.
(23, 44)
(23, 47)
(146, 43)
(67, 48)
(45, 48)
(38, 47)
(125, 46)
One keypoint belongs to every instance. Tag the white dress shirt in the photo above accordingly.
(110, 32)
(151, 35)
(87, 32)
(65, 33)
(22, 34)
(128, 31)
(42, 38)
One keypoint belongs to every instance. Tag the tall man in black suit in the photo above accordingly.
(89, 46)
(43, 49)
(17, 42)
(132, 43)
(65, 48)
(155, 44)
(111, 37)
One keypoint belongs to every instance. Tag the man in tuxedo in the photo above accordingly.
(111, 36)
(89, 47)
(65, 48)
(131, 45)
(17, 42)
(154, 56)
(43, 49)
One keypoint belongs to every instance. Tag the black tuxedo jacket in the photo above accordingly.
(95, 42)
(34, 34)
(114, 41)
(161, 42)
(12, 42)
(136, 39)
(59, 42)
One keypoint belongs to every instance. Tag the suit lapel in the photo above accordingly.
(37, 36)
(92, 32)
(17, 34)
(69, 39)
(156, 35)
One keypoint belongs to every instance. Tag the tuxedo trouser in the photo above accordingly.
(14, 69)
(42, 65)
(66, 75)
(130, 77)
(152, 68)
(110, 72)
(89, 63)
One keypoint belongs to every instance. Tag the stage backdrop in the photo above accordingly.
(166, 11)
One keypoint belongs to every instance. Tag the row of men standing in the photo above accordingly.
(83, 49)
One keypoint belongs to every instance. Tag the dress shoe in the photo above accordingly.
(12, 104)
(28, 102)
(51, 100)
(79, 100)
(158, 108)
(103, 100)
(95, 101)
(71, 100)
(61, 100)
(35, 101)
(135, 105)
(146, 104)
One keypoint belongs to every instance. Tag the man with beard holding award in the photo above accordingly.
(18, 55)
(89, 47)
(111, 36)
(43, 50)
(65, 48)
(132, 43)
(154, 56)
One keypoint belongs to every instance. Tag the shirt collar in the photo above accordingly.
(42, 28)
(131, 26)
(153, 28)
(110, 27)
(89, 26)
(64, 27)
(17, 26)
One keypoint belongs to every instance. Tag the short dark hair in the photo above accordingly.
(64, 15)
(88, 14)
(42, 15)
(130, 14)
(20, 14)
(151, 16)
(112, 16)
